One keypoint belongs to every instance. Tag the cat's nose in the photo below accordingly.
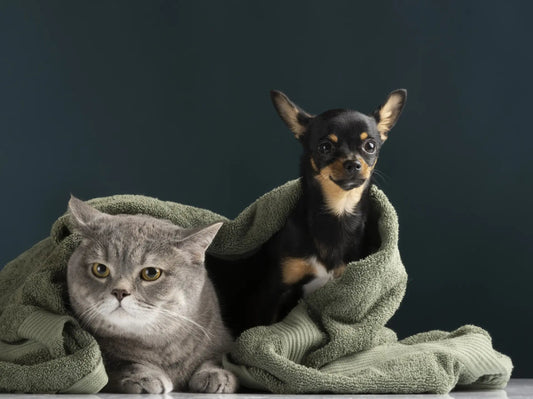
(119, 293)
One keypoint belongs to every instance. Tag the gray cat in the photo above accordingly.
(139, 285)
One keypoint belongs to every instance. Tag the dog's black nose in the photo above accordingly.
(352, 166)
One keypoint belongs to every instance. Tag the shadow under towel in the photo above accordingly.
(333, 341)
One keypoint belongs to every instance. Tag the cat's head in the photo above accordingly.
(135, 274)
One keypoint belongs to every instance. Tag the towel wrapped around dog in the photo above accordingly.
(333, 341)
(336, 341)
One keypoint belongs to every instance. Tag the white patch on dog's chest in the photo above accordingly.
(322, 276)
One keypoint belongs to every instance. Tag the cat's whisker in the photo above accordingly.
(174, 316)
(89, 309)
(206, 333)
(88, 315)
(162, 323)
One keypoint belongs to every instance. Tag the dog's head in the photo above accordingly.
(341, 146)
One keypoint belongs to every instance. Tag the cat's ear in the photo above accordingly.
(82, 215)
(196, 241)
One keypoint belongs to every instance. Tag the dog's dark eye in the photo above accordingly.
(370, 147)
(325, 147)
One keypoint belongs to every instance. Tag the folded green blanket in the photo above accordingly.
(333, 341)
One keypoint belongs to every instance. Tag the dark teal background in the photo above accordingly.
(170, 99)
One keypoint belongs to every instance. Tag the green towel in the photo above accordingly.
(335, 340)
(319, 347)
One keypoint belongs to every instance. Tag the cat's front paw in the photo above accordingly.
(139, 379)
(146, 385)
(213, 380)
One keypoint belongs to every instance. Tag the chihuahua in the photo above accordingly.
(329, 226)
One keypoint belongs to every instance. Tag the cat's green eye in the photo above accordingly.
(100, 271)
(150, 273)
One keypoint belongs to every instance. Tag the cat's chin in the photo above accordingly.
(121, 315)
(121, 312)
(128, 320)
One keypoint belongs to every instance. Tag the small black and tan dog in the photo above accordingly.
(328, 227)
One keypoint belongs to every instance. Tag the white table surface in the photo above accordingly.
(517, 389)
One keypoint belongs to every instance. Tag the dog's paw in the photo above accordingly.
(213, 380)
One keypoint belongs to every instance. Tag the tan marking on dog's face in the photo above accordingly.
(335, 169)
(333, 137)
(338, 201)
(295, 269)
(364, 136)
(366, 169)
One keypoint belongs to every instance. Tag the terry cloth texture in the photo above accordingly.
(334, 341)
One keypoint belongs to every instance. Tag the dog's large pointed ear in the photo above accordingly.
(387, 115)
(294, 117)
